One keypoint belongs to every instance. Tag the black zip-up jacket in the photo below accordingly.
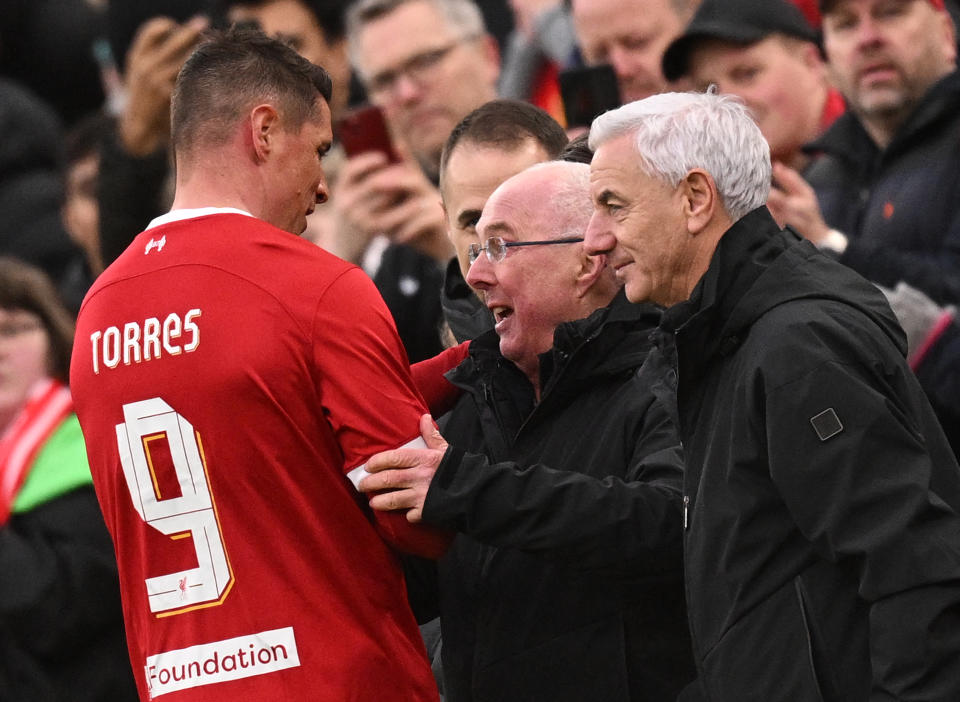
(466, 316)
(822, 550)
(900, 206)
(565, 582)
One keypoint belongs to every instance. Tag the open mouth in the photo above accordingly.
(501, 313)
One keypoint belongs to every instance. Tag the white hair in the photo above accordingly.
(462, 16)
(677, 132)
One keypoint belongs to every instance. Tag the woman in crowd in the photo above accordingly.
(61, 633)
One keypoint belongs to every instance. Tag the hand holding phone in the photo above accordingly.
(364, 129)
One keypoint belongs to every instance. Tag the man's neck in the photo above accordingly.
(882, 129)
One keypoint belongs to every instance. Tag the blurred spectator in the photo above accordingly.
(61, 633)
(133, 187)
(81, 211)
(933, 352)
(541, 43)
(426, 63)
(888, 182)
(31, 192)
(630, 35)
(767, 53)
(497, 140)
(314, 28)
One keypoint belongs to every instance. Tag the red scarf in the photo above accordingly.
(48, 404)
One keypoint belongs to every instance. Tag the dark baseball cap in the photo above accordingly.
(738, 21)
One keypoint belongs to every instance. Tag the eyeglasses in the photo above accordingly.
(9, 330)
(419, 68)
(496, 248)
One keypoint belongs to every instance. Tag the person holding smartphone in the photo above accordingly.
(425, 64)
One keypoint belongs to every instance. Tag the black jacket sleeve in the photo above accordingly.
(628, 524)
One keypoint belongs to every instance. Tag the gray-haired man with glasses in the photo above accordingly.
(562, 476)
(426, 64)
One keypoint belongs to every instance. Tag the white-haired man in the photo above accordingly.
(822, 540)
(562, 477)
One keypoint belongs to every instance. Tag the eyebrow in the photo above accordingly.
(499, 227)
(604, 196)
(463, 220)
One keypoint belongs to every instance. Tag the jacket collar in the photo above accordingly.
(756, 267)
(849, 141)
(463, 311)
(611, 340)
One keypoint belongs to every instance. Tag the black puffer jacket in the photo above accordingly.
(900, 207)
(823, 545)
(565, 582)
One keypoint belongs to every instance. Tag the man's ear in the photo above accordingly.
(700, 199)
(264, 126)
(811, 57)
(591, 269)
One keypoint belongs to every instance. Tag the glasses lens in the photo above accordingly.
(495, 249)
(473, 252)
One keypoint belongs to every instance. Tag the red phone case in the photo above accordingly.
(364, 129)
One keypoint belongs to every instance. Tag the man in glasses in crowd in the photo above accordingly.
(564, 582)
(427, 64)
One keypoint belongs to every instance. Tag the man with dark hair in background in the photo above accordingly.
(497, 140)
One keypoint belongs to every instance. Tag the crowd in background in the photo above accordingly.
(85, 89)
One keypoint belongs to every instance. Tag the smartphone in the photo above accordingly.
(364, 129)
(588, 92)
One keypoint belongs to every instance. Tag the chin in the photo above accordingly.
(636, 293)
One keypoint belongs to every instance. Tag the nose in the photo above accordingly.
(323, 192)
(406, 89)
(868, 32)
(598, 239)
(621, 61)
(481, 275)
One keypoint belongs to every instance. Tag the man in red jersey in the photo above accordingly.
(231, 380)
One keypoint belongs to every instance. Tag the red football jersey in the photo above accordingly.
(231, 379)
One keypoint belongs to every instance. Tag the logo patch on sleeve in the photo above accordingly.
(826, 424)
